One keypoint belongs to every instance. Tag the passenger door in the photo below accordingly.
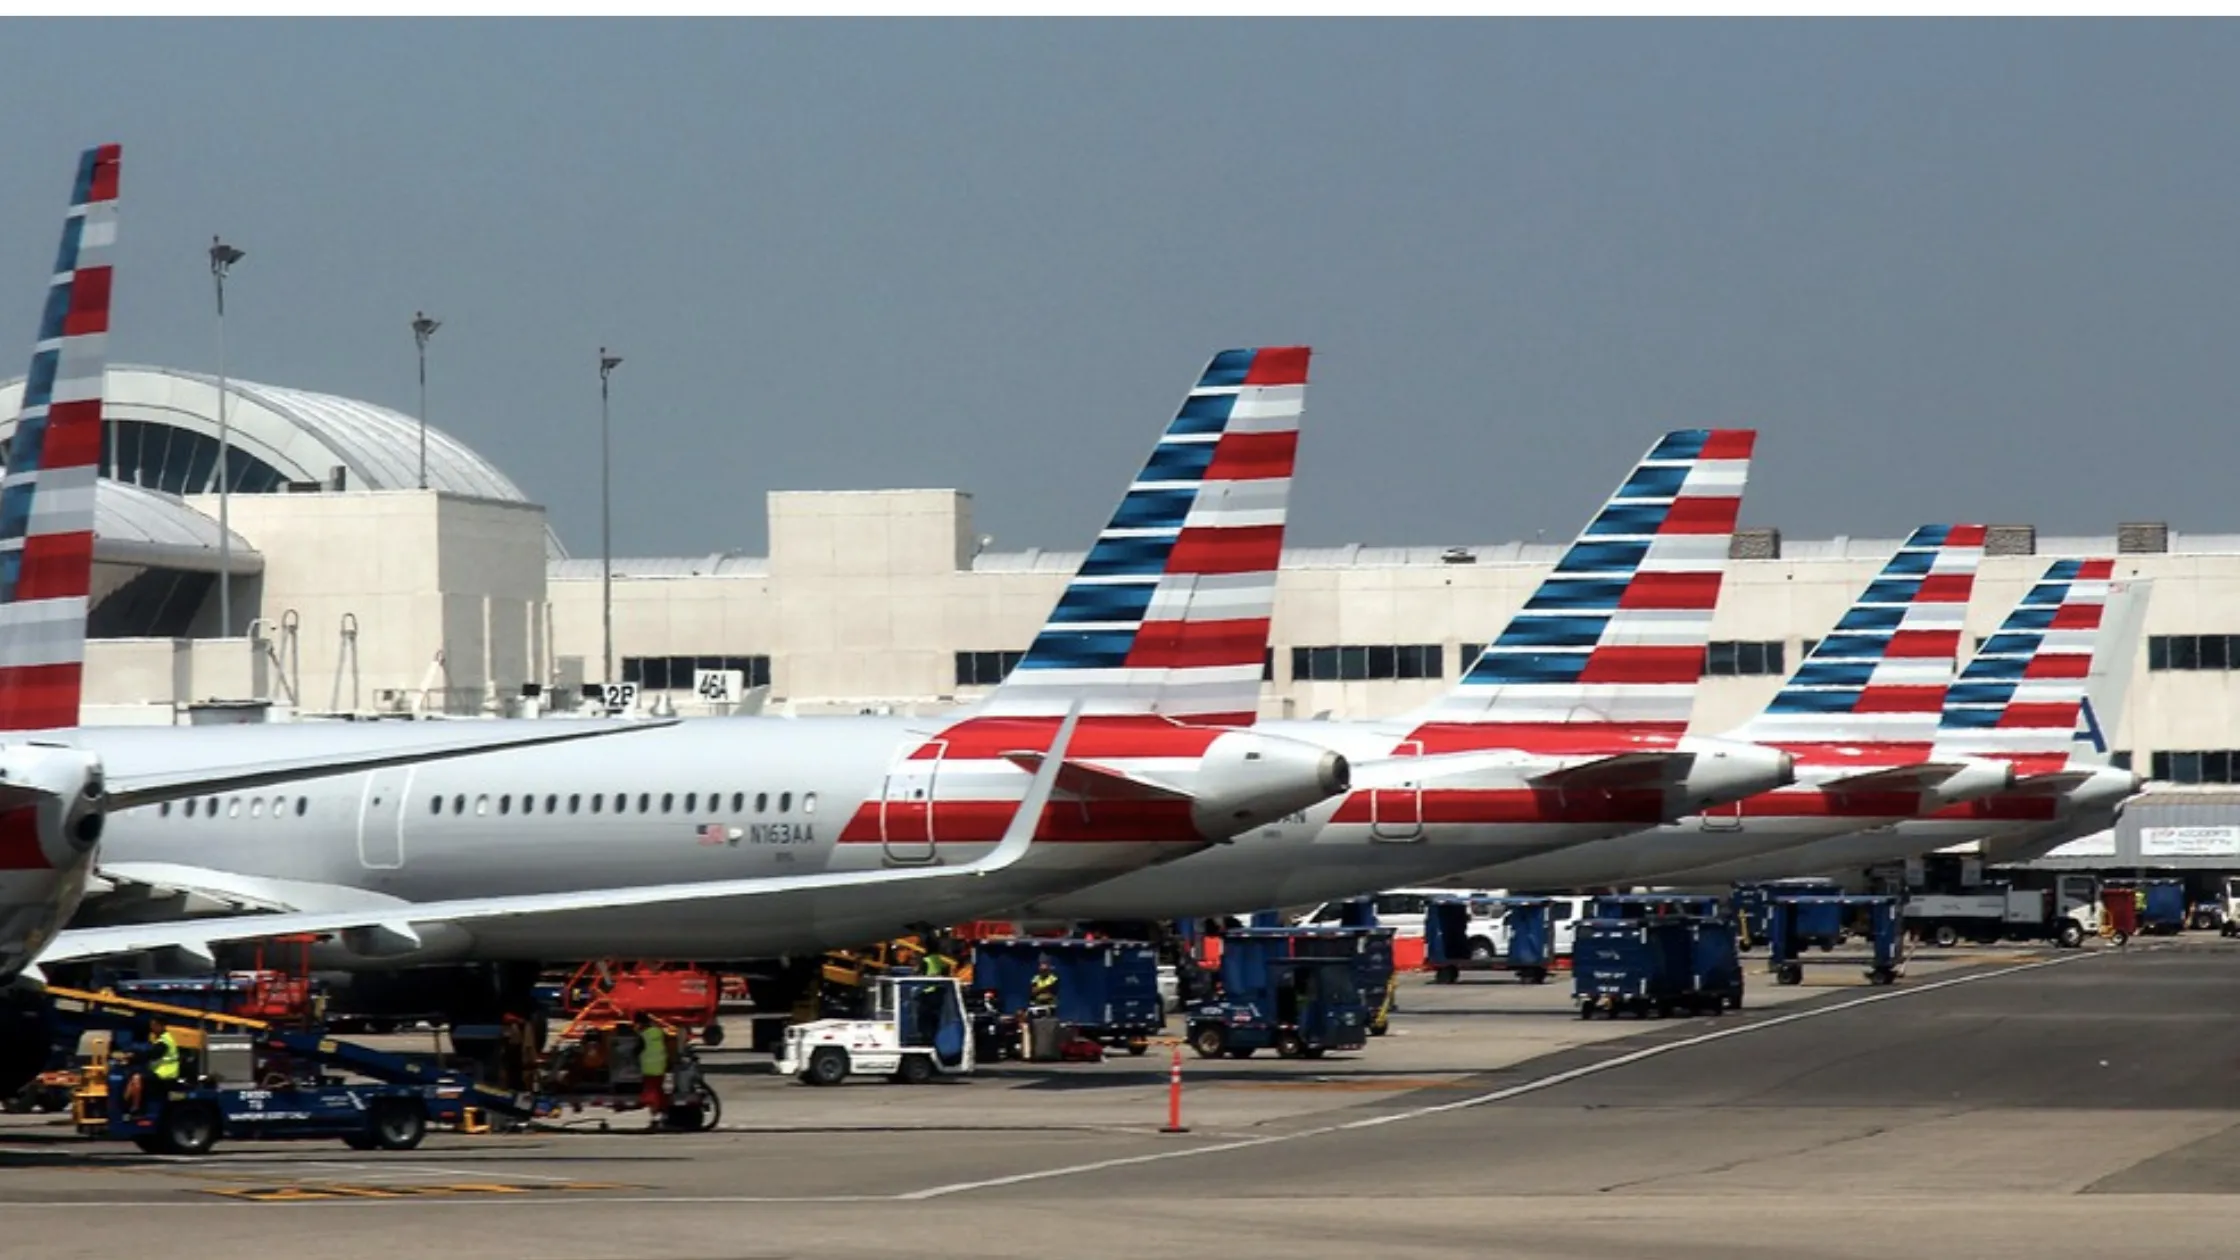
(1396, 813)
(906, 807)
(381, 811)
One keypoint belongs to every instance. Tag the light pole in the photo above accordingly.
(422, 329)
(607, 364)
(222, 259)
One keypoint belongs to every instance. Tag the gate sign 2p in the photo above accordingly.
(621, 697)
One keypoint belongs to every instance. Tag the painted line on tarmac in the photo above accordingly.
(1480, 1100)
(1156, 1157)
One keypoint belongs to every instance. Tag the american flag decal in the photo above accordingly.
(713, 833)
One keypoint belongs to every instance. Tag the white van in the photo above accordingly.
(1404, 909)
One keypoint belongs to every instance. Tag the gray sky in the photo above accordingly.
(1952, 270)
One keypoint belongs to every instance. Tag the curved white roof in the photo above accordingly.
(302, 434)
(150, 529)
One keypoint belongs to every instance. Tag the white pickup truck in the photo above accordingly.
(2065, 914)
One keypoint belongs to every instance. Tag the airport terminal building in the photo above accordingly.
(353, 592)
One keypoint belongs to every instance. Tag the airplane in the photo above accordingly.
(1859, 713)
(57, 796)
(2022, 699)
(709, 839)
(1569, 727)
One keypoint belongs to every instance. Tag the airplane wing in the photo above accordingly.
(2052, 783)
(732, 910)
(204, 890)
(148, 789)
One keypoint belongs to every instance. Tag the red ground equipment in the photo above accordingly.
(677, 994)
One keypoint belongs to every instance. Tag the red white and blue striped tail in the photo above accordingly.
(2020, 697)
(1169, 612)
(1881, 675)
(1617, 634)
(46, 496)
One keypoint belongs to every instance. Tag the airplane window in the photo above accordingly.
(481, 805)
(190, 807)
(302, 803)
(551, 803)
(738, 802)
(210, 807)
(785, 802)
(435, 804)
(691, 801)
(645, 802)
(808, 802)
(233, 808)
(256, 807)
(278, 803)
(458, 804)
(598, 799)
(505, 803)
(762, 802)
(668, 801)
(575, 801)
(528, 803)
(164, 810)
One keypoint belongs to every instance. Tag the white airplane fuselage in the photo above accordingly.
(715, 799)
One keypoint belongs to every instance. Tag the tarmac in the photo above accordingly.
(2001, 1102)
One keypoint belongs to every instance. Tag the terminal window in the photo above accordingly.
(985, 669)
(675, 673)
(2215, 765)
(1367, 662)
(1747, 658)
(2193, 651)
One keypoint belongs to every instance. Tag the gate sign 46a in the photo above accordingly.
(719, 686)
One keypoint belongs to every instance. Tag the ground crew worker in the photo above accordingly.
(938, 963)
(653, 1064)
(161, 1065)
(1042, 991)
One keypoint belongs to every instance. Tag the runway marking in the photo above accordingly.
(327, 1192)
(1211, 1148)
(1480, 1100)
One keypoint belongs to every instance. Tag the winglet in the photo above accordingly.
(1018, 837)
(1169, 611)
(46, 497)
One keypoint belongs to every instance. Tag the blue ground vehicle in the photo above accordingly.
(244, 1079)
(1656, 964)
(1450, 947)
(1791, 920)
(1107, 990)
(1749, 901)
(2165, 910)
(1368, 947)
(1275, 994)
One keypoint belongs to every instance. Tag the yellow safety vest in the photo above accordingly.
(166, 1065)
(1044, 990)
(653, 1052)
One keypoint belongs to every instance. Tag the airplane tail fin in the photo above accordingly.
(1617, 634)
(2115, 660)
(46, 496)
(1881, 675)
(2021, 695)
(1169, 611)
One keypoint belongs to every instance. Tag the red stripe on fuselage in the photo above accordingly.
(19, 842)
(1063, 822)
(1496, 806)
(1094, 738)
(1553, 739)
